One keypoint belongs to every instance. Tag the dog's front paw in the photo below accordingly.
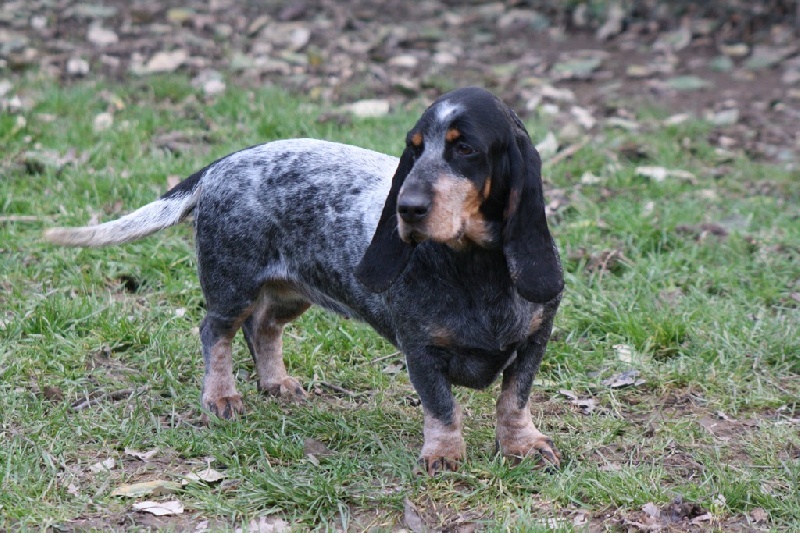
(444, 449)
(226, 407)
(433, 464)
(532, 445)
(287, 389)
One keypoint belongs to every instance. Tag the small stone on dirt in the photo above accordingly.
(100, 36)
(164, 62)
(77, 66)
(369, 108)
(103, 121)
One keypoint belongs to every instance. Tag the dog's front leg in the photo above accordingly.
(517, 437)
(444, 447)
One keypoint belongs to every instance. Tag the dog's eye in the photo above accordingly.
(464, 149)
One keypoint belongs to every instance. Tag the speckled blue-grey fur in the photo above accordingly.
(316, 205)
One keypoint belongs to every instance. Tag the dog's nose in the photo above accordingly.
(413, 207)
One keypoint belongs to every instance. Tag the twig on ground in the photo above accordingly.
(569, 151)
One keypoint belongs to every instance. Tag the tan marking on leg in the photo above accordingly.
(219, 388)
(452, 134)
(267, 343)
(536, 322)
(517, 437)
(444, 447)
(440, 336)
(416, 139)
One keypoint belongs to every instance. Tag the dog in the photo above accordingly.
(446, 253)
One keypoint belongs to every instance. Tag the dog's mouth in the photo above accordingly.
(413, 235)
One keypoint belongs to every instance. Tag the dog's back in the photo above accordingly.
(298, 211)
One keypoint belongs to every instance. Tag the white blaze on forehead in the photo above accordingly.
(446, 110)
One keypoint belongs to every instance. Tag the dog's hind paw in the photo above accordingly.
(286, 389)
(540, 446)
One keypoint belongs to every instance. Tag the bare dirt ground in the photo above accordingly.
(735, 63)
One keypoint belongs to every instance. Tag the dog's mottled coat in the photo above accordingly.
(446, 253)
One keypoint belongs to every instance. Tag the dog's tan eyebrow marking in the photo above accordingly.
(452, 134)
(416, 139)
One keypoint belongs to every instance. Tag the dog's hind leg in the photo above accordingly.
(219, 387)
(263, 330)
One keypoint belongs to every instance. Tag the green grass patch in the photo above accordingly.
(99, 355)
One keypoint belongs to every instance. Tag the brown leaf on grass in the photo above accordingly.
(651, 510)
(633, 151)
(605, 261)
(759, 515)
(53, 394)
(180, 142)
(316, 448)
(700, 231)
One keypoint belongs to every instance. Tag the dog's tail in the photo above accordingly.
(167, 211)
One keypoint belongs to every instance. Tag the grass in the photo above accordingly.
(709, 322)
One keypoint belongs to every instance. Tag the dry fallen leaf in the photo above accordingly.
(172, 507)
(548, 147)
(393, 368)
(624, 352)
(316, 448)
(759, 515)
(651, 510)
(164, 62)
(264, 524)
(103, 121)
(583, 116)
(143, 456)
(157, 487)
(209, 475)
(101, 36)
(659, 174)
(624, 379)
(412, 518)
(108, 464)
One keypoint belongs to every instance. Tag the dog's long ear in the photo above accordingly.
(530, 252)
(387, 255)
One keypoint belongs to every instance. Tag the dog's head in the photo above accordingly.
(469, 176)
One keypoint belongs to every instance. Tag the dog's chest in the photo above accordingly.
(462, 302)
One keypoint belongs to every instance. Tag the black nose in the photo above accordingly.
(413, 207)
